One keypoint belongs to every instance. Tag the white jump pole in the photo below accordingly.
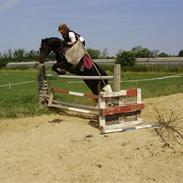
(81, 77)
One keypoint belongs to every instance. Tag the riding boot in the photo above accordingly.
(58, 70)
(61, 71)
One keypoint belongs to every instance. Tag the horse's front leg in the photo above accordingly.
(57, 67)
(75, 69)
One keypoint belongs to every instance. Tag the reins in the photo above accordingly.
(96, 68)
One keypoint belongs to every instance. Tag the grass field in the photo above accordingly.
(22, 99)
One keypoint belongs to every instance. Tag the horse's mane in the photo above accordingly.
(52, 39)
(53, 42)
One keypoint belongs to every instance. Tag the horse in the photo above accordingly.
(58, 47)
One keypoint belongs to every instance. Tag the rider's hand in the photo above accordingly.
(65, 43)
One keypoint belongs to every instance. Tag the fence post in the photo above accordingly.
(117, 77)
(43, 88)
(9, 85)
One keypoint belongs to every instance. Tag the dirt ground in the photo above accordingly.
(59, 148)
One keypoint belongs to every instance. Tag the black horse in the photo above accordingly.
(57, 46)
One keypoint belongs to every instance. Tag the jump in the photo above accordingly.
(57, 46)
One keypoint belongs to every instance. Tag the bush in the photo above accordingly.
(94, 54)
(181, 53)
(162, 54)
(141, 52)
(3, 62)
(125, 58)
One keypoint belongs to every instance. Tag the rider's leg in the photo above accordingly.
(56, 67)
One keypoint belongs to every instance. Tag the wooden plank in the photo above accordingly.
(113, 94)
(67, 92)
(126, 93)
(80, 106)
(73, 109)
(126, 124)
(132, 92)
(110, 129)
(122, 109)
(59, 90)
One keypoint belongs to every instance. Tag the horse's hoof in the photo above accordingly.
(62, 72)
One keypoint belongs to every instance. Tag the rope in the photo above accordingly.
(12, 84)
(96, 68)
(151, 79)
(139, 80)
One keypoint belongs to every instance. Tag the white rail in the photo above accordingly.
(157, 60)
(80, 77)
(50, 63)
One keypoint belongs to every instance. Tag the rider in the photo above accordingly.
(70, 37)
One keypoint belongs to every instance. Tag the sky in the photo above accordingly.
(112, 24)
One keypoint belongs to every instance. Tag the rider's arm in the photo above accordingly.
(72, 38)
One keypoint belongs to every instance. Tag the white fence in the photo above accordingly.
(50, 63)
(158, 60)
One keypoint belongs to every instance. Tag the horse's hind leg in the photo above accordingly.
(93, 85)
(102, 82)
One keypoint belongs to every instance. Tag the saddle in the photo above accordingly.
(74, 54)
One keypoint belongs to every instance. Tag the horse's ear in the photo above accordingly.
(42, 40)
(46, 40)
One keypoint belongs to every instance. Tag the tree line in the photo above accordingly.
(21, 55)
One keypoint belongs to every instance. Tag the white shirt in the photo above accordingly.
(73, 37)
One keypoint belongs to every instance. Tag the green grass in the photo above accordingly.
(19, 100)
(22, 100)
(153, 88)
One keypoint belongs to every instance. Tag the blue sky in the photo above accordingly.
(111, 24)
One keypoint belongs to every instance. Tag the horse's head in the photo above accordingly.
(48, 45)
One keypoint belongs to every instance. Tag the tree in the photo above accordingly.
(136, 49)
(31, 55)
(141, 52)
(154, 53)
(93, 53)
(9, 54)
(126, 58)
(19, 55)
(162, 54)
(180, 53)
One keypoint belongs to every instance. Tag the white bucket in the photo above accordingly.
(107, 88)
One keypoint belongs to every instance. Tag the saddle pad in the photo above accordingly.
(87, 62)
(74, 54)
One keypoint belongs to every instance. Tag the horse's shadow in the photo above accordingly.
(92, 120)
